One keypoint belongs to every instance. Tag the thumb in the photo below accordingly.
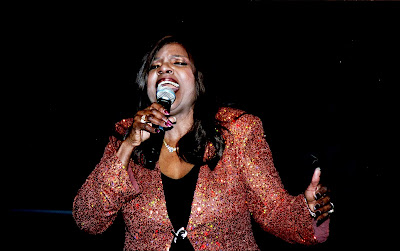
(310, 192)
(315, 179)
(172, 119)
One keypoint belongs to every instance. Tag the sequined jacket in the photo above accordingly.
(244, 184)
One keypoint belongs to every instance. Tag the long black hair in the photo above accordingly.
(206, 130)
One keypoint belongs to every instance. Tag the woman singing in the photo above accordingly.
(213, 173)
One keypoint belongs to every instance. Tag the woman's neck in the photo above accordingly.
(184, 123)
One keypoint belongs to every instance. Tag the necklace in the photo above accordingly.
(170, 148)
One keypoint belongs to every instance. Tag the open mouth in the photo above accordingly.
(169, 83)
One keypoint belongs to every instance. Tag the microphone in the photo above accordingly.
(165, 97)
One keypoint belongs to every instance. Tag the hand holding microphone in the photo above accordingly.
(153, 119)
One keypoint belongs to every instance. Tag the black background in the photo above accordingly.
(321, 76)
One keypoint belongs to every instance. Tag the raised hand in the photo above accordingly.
(142, 128)
(318, 198)
(143, 123)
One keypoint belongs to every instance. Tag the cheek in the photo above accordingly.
(189, 78)
(191, 93)
(192, 87)
(151, 87)
(151, 94)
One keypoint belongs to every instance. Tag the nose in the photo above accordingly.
(165, 69)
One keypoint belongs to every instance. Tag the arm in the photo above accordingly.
(271, 206)
(105, 190)
(112, 183)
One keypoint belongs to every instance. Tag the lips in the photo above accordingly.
(168, 82)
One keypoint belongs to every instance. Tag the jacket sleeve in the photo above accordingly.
(104, 191)
(277, 212)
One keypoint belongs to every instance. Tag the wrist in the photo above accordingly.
(125, 151)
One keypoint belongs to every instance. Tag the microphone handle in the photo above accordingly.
(167, 105)
(156, 140)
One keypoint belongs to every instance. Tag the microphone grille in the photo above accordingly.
(165, 93)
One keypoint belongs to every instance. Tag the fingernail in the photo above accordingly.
(318, 213)
(168, 123)
(317, 196)
(317, 206)
(157, 130)
(166, 112)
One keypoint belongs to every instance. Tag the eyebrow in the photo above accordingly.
(175, 56)
(179, 56)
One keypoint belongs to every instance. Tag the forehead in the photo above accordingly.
(174, 49)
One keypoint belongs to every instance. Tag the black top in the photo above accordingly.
(179, 196)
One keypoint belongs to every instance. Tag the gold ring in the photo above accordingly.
(143, 119)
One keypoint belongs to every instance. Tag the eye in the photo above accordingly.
(154, 66)
(181, 63)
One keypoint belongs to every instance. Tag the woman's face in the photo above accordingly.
(172, 64)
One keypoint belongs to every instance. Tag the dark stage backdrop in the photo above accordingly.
(320, 76)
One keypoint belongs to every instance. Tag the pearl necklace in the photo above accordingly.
(170, 148)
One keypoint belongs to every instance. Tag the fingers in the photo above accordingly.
(156, 118)
(323, 212)
(145, 126)
(323, 206)
(320, 192)
(145, 122)
(157, 106)
(322, 198)
(157, 115)
(321, 203)
(154, 114)
(149, 121)
(318, 197)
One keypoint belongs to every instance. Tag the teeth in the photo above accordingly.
(169, 82)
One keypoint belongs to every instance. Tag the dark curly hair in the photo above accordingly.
(206, 129)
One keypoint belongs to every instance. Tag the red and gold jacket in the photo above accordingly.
(244, 184)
